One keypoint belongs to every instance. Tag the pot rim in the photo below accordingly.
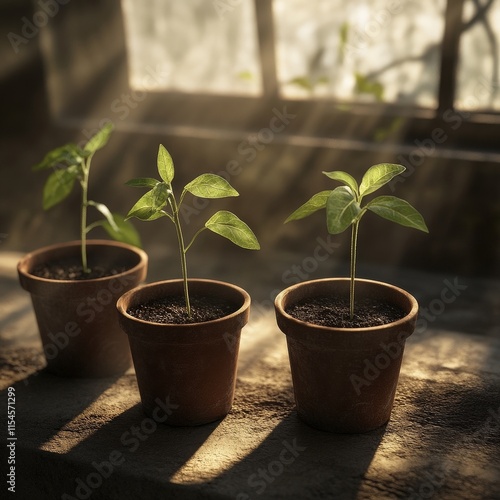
(143, 258)
(278, 304)
(186, 326)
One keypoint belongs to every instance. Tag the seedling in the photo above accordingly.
(160, 201)
(70, 163)
(343, 208)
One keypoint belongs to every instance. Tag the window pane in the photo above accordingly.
(363, 50)
(192, 46)
(478, 70)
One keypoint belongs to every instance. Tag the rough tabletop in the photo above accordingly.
(89, 438)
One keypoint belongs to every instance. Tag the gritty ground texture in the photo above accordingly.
(90, 439)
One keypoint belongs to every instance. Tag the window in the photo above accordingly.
(364, 51)
(193, 47)
(365, 70)
(478, 71)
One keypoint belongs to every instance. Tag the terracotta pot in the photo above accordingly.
(345, 379)
(76, 319)
(191, 366)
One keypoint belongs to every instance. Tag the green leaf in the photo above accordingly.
(302, 81)
(100, 139)
(124, 232)
(165, 165)
(342, 210)
(344, 177)
(344, 35)
(315, 203)
(104, 211)
(69, 154)
(245, 75)
(58, 186)
(210, 186)
(378, 175)
(142, 182)
(234, 229)
(149, 206)
(397, 210)
(366, 86)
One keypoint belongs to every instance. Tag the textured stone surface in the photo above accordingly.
(443, 440)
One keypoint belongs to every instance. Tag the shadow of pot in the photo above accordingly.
(77, 321)
(345, 379)
(191, 366)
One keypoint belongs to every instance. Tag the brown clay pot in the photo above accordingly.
(191, 366)
(76, 319)
(345, 379)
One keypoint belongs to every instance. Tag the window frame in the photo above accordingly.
(322, 121)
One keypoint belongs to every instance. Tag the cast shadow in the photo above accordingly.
(45, 403)
(450, 447)
(44, 411)
(296, 460)
(144, 456)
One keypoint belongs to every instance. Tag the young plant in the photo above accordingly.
(343, 208)
(160, 201)
(69, 164)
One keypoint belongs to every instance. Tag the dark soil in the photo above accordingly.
(173, 310)
(334, 312)
(71, 269)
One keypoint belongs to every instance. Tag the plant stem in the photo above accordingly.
(83, 225)
(354, 242)
(182, 252)
(194, 237)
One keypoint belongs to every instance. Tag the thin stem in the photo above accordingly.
(182, 196)
(168, 215)
(83, 225)
(182, 252)
(93, 226)
(194, 237)
(354, 242)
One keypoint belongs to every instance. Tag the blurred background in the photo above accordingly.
(268, 94)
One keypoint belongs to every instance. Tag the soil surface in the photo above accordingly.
(71, 269)
(173, 310)
(334, 312)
